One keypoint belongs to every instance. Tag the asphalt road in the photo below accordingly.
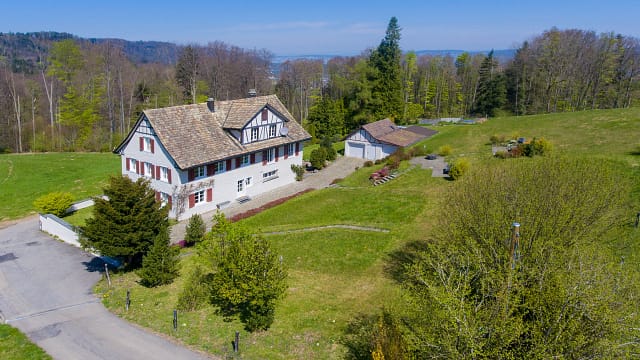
(46, 292)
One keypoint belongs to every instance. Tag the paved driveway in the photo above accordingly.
(46, 292)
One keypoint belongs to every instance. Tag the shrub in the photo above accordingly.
(298, 170)
(331, 153)
(161, 264)
(195, 230)
(494, 139)
(417, 151)
(55, 203)
(318, 157)
(380, 161)
(368, 163)
(458, 168)
(537, 147)
(444, 150)
(195, 292)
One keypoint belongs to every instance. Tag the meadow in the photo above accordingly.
(336, 274)
(25, 177)
(14, 345)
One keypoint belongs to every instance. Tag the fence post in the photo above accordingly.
(236, 346)
(106, 270)
(175, 320)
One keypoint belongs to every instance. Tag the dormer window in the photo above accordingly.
(199, 172)
(265, 114)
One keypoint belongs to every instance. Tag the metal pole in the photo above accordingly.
(175, 320)
(106, 270)
(128, 300)
(236, 346)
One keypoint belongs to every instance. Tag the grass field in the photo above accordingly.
(14, 345)
(25, 177)
(335, 274)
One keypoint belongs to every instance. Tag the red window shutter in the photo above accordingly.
(157, 196)
(286, 151)
(211, 169)
(238, 160)
(228, 164)
(264, 158)
(158, 172)
(265, 114)
(169, 201)
(139, 167)
(192, 174)
(127, 161)
(153, 171)
(152, 146)
(209, 194)
(192, 200)
(253, 158)
(141, 144)
(277, 153)
(169, 175)
(297, 148)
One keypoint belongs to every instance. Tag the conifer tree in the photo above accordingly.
(127, 223)
(195, 230)
(161, 264)
(492, 92)
(387, 87)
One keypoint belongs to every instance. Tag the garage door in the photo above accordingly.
(356, 150)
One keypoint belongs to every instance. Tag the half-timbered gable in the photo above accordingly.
(205, 156)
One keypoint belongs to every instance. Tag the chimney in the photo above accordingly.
(211, 104)
(253, 93)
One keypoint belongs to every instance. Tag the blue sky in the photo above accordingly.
(305, 27)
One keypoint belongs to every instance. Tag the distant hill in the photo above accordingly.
(24, 50)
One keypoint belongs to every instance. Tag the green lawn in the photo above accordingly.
(25, 177)
(306, 155)
(14, 345)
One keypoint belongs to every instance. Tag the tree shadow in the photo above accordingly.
(398, 260)
(93, 265)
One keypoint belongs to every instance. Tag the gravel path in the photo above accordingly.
(340, 168)
(436, 165)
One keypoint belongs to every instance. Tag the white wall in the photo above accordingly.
(372, 150)
(57, 227)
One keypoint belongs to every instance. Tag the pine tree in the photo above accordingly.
(492, 90)
(161, 264)
(195, 230)
(387, 87)
(127, 223)
(248, 278)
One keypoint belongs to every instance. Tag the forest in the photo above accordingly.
(63, 93)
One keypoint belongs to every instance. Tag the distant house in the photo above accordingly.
(203, 157)
(380, 139)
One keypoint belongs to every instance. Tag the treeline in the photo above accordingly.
(560, 70)
(80, 95)
(62, 93)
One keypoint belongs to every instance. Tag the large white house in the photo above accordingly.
(203, 157)
(382, 138)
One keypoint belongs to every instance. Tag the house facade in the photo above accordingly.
(203, 157)
(382, 138)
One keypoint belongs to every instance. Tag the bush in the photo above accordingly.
(195, 292)
(318, 157)
(55, 203)
(444, 150)
(298, 170)
(458, 168)
(368, 163)
(195, 230)
(331, 153)
(537, 147)
(494, 139)
(161, 264)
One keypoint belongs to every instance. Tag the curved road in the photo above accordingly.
(46, 292)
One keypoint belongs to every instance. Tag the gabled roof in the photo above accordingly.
(193, 135)
(388, 132)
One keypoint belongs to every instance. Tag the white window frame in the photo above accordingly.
(200, 172)
(164, 174)
(199, 197)
(164, 199)
(248, 182)
(219, 167)
(133, 165)
(240, 185)
(245, 160)
(147, 144)
(148, 170)
(271, 155)
(272, 130)
(255, 134)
